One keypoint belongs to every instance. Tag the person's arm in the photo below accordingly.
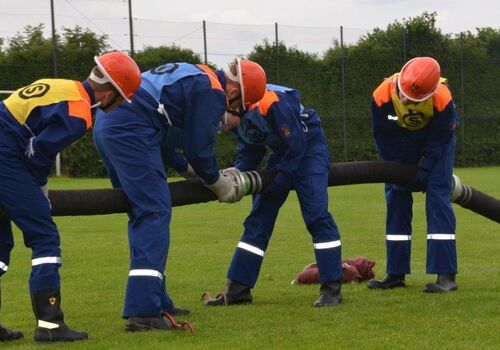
(376, 119)
(248, 157)
(385, 129)
(203, 113)
(174, 159)
(442, 128)
(290, 129)
(173, 155)
(69, 122)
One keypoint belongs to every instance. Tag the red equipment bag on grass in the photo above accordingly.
(353, 270)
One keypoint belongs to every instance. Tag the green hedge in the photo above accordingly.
(337, 83)
(475, 146)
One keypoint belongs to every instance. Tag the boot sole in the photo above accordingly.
(132, 329)
(231, 304)
(44, 337)
(392, 286)
(179, 312)
(433, 288)
(59, 340)
(10, 339)
(328, 305)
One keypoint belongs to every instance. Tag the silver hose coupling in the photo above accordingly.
(460, 193)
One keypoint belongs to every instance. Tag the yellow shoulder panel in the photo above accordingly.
(43, 92)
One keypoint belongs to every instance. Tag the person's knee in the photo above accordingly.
(321, 225)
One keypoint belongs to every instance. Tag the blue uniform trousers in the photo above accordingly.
(128, 140)
(441, 247)
(24, 201)
(311, 184)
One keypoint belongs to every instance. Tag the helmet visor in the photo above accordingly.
(234, 73)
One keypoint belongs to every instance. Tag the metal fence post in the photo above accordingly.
(276, 43)
(342, 73)
(54, 62)
(462, 98)
(131, 28)
(404, 46)
(205, 41)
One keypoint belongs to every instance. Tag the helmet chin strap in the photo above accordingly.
(235, 113)
(234, 99)
(239, 112)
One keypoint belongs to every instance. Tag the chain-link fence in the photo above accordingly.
(339, 85)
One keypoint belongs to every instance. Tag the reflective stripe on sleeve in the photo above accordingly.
(250, 248)
(46, 260)
(3, 266)
(145, 272)
(327, 245)
(398, 237)
(441, 236)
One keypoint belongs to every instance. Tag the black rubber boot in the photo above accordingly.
(50, 318)
(389, 282)
(444, 283)
(5, 333)
(235, 293)
(329, 294)
(178, 311)
(142, 324)
(9, 334)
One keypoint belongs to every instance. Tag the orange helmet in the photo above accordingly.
(120, 70)
(252, 80)
(419, 78)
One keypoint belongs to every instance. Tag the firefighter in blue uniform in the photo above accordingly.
(299, 153)
(181, 101)
(414, 122)
(37, 122)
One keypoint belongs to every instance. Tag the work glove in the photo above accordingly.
(419, 183)
(424, 167)
(45, 191)
(224, 189)
(240, 185)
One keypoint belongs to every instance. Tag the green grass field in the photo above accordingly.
(203, 238)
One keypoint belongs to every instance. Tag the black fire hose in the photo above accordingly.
(109, 201)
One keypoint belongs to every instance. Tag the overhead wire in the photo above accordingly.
(95, 25)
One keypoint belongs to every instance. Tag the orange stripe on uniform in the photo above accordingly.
(211, 75)
(441, 98)
(382, 93)
(266, 102)
(80, 109)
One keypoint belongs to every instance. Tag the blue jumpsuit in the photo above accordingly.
(422, 134)
(37, 122)
(300, 154)
(178, 98)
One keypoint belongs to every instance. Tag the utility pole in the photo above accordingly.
(54, 63)
(205, 41)
(131, 27)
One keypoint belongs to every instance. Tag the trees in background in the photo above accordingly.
(338, 83)
(28, 55)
